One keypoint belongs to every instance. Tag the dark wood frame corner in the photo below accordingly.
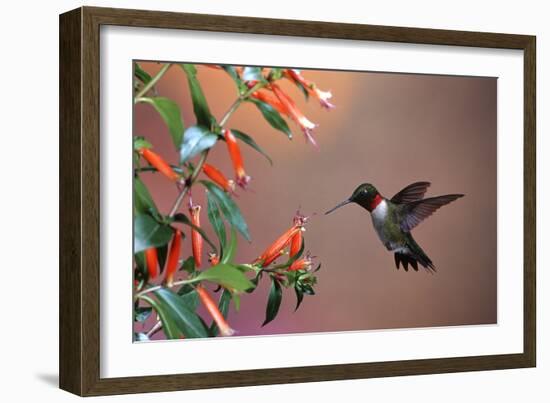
(79, 200)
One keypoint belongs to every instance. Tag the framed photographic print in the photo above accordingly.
(250, 201)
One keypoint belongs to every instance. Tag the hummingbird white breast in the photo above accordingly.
(379, 219)
(379, 215)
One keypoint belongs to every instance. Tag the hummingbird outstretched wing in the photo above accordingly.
(415, 212)
(413, 192)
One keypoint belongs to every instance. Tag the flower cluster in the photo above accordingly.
(167, 282)
(297, 272)
(274, 96)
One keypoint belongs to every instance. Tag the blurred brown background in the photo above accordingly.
(387, 129)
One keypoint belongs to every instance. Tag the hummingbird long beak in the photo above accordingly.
(348, 201)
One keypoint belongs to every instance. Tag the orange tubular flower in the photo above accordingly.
(297, 240)
(270, 99)
(301, 264)
(295, 114)
(217, 177)
(276, 248)
(158, 162)
(236, 158)
(296, 244)
(173, 258)
(322, 96)
(152, 262)
(213, 259)
(212, 308)
(196, 238)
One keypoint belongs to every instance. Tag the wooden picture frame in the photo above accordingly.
(80, 184)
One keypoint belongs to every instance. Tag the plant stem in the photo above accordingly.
(154, 329)
(188, 184)
(231, 110)
(176, 169)
(153, 81)
(158, 287)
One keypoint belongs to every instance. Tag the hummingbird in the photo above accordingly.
(393, 219)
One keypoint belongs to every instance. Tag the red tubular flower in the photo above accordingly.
(152, 262)
(236, 158)
(301, 264)
(276, 248)
(295, 114)
(158, 162)
(297, 240)
(196, 238)
(296, 244)
(217, 177)
(173, 258)
(270, 99)
(322, 96)
(212, 308)
(213, 259)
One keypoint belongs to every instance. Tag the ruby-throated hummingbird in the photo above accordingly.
(394, 218)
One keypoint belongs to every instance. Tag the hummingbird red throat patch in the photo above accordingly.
(375, 202)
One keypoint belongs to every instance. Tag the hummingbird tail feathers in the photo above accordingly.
(406, 260)
(413, 254)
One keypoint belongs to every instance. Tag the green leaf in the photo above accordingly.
(224, 303)
(227, 276)
(229, 253)
(223, 306)
(186, 288)
(140, 264)
(186, 320)
(169, 112)
(275, 74)
(308, 289)
(140, 142)
(189, 297)
(299, 297)
(233, 73)
(272, 116)
(182, 218)
(162, 254)
(196, 139)
(229, 208)
(167, 318)
(141, 74)
(216, 221)
(149, 233)
(250, 141)
(236, 301)
(253, 74)
(200, 106)
(273, 301)
(188, 265)
(142, 313)
(143, 201)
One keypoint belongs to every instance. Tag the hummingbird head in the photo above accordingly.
(366, 195)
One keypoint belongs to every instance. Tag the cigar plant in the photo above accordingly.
(177, 268)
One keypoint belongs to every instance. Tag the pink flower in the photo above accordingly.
(295, 114)
(322, 96)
